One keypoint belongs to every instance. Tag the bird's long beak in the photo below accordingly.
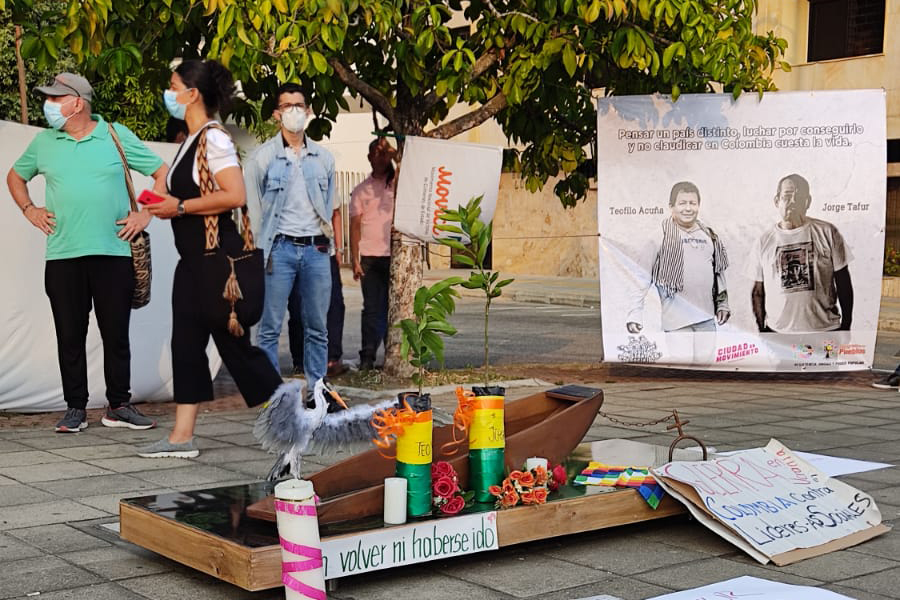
(338, 399)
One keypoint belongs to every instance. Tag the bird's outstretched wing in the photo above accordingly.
(346, 429)
(285, 423)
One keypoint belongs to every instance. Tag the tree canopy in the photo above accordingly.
(531, 64)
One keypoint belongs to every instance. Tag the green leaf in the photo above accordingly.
(568, 58)
(504, 283)
(461, 258)
(422, 295)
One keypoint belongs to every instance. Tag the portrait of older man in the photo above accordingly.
(799, 268)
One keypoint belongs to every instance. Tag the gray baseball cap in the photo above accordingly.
(68, 84)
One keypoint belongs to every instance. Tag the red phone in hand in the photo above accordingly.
(148, 197)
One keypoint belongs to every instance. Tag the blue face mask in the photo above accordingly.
(175, 108)
(53, 114)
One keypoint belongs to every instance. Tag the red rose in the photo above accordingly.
(559, 474)
(527, 479)
(444, 487)
(552, 485)
(509, 499)
(515, 475)
(453, 506)
(540, 495)
(527, 497)
(495, 490)
(442, 469)
(540, 475)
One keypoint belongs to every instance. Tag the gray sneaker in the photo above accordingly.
(166, 449)
(127, 416)
(74, 421)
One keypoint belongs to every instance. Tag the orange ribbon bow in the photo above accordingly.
(391, 422)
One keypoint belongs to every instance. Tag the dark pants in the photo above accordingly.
(336, 312)
(249, 366)
(73, 285)
(375, 285)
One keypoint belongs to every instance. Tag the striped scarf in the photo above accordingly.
(668, 267)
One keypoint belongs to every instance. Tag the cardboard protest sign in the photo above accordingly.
(742, 234)
(772, 504)
(438, 175)
(755, 588)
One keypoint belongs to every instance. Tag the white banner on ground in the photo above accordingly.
(755, 588)
(742, 234)
(409, 544)
(772, 504)
(439, 174)
(29, 372)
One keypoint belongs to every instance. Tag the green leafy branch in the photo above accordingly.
(421, 340)
(468, 226)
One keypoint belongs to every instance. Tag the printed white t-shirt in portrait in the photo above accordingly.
(797, 268)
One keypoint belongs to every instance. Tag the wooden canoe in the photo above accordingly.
(548, 424)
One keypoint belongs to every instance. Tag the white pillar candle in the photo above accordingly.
(395, 500)
(301, 549)
(534, 462)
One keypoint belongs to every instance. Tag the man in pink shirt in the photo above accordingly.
(371, 216)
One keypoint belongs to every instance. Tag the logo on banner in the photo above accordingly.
(639, 350)
(803, 351)
(736, 352)
(845, 349)
(441, 192)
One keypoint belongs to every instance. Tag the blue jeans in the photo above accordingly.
(305, 270)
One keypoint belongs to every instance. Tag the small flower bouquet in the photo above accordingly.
(528, 487)
(447, 498)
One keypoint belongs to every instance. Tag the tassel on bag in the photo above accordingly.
(232, 294)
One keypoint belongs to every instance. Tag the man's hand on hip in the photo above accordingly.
(133, 224)
(41, 218)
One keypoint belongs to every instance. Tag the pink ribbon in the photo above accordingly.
(298, 566)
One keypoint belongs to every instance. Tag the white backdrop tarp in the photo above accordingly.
(439, 174)
(29, 371)
(735, 152)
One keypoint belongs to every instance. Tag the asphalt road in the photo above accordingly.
(522, 333)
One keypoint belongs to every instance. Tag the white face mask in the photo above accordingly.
(293, 119)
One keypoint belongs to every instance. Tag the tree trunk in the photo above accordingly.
(406, 278)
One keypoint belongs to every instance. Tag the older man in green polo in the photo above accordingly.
(88, 223)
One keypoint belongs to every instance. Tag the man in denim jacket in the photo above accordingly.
(292, 179)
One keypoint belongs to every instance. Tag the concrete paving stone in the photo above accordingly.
(103, 591)
(191, 584)
(824, 424)
(258, 469)
(207, 443)
(831, 567)
(839, 408)
(795, 413)
(891, 402)
(239, 439)
(613, 433)
(704, 572)
(43, 574)
(188, 476)
(695, 411)
(767, 429)
(874, 433)
(92, 486)
(13, 549)
(7, 481)
(861, 420)
(216, 430)
(58, 538)
(45, 513)
(681, 532)
(136, 464)
(410, 584)
(887, 496)
(95, 452)
(811, 442)
(612, 586)
(52, 441)
(887, 453)
(18, 493)
(889, 475)
(519, 572)
(28, 457)
(120, 562)
(11, 446)
(231, 455)
(883, 582)
(856, 594)
(614, 551)
(52, 471)
(131, 437)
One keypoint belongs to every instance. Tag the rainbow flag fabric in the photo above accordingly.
(639, 478)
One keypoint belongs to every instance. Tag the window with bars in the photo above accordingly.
(844, 28)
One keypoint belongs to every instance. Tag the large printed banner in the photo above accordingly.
(742, 234)
(438, 175)
(772, 504)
